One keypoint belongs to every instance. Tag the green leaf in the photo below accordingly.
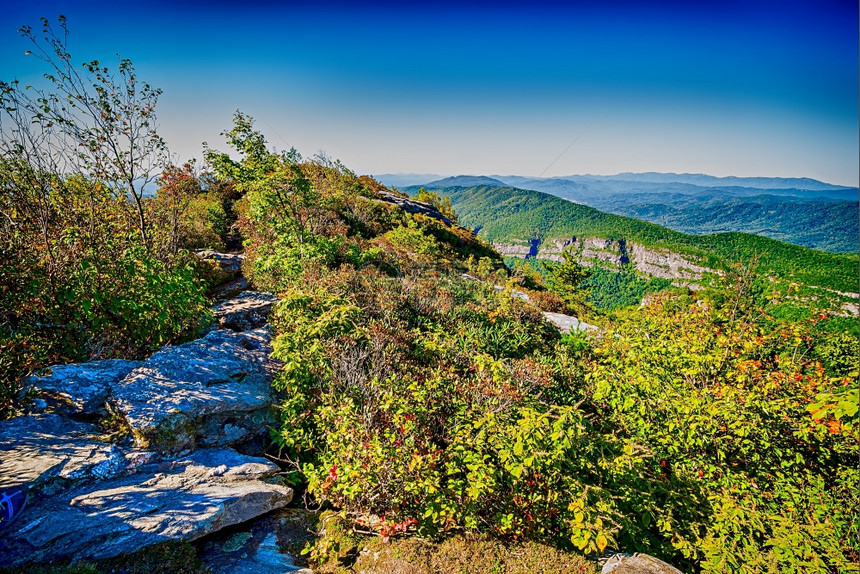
(518, 448)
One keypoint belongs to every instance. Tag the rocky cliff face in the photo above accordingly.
(611, 253)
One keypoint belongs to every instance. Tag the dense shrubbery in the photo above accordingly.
(754, 443)
(89, 266)
(698, 429)
(77, 283)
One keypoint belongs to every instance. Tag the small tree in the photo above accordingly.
(565, 280)
(97, 123)
(443, 204)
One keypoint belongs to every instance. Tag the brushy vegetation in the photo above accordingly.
(91, 267)
(701, 429)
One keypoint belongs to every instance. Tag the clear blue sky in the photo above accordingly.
(747, 88)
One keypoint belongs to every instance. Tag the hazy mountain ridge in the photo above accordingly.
(524, 217)
(802, 211)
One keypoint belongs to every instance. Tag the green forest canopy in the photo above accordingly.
(509, 214)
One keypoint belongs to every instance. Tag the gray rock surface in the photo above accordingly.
(637, 564)
(250, 310)
(230, 289)
(613, 253)
(565, 323)
(81, 388)
(230, 263)
(184, 499)
(45, 449)
(413, 206)
(259, 545)
(183, 393)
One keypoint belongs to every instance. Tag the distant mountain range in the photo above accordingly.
(802, 211)
(526, 223)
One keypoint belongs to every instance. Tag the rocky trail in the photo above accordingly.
(120, 455)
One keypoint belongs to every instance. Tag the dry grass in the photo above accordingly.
(461, 554)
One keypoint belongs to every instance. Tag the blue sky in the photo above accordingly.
(725, 88)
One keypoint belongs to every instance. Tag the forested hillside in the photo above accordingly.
(506, 214)
(826, 225)
(801, 211)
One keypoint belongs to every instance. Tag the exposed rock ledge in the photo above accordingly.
(614, 253)
(412, 206)
(183, 499)
(90, 499)
(214, 391)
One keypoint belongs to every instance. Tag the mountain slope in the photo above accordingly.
(828, 225)
(792, 210)
(506, 214)
(465, 181)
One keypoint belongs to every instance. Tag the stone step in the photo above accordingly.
(214, 391)
(51, 453)
(249, 310)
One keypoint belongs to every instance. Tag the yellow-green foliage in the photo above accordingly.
(702, 431)
(76, 281)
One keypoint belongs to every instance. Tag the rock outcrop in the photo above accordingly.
(183, 499)
(49, 452)
(80, 388)
(613, 253)
(213, 391)
(228, 263)
(412, 206)
(565, 323)
(174, 478)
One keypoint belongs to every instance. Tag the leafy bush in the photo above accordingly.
(423, 406)
(699, 429)
(89, 266)
(756, 443)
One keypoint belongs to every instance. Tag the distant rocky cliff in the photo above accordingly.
(612, 253)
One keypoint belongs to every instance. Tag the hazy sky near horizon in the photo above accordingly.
(745, 88)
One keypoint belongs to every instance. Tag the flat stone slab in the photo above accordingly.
(565, 323)
(250, 310)
(81, 388)
(171, 401)
(185, 499)
(37, 449)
